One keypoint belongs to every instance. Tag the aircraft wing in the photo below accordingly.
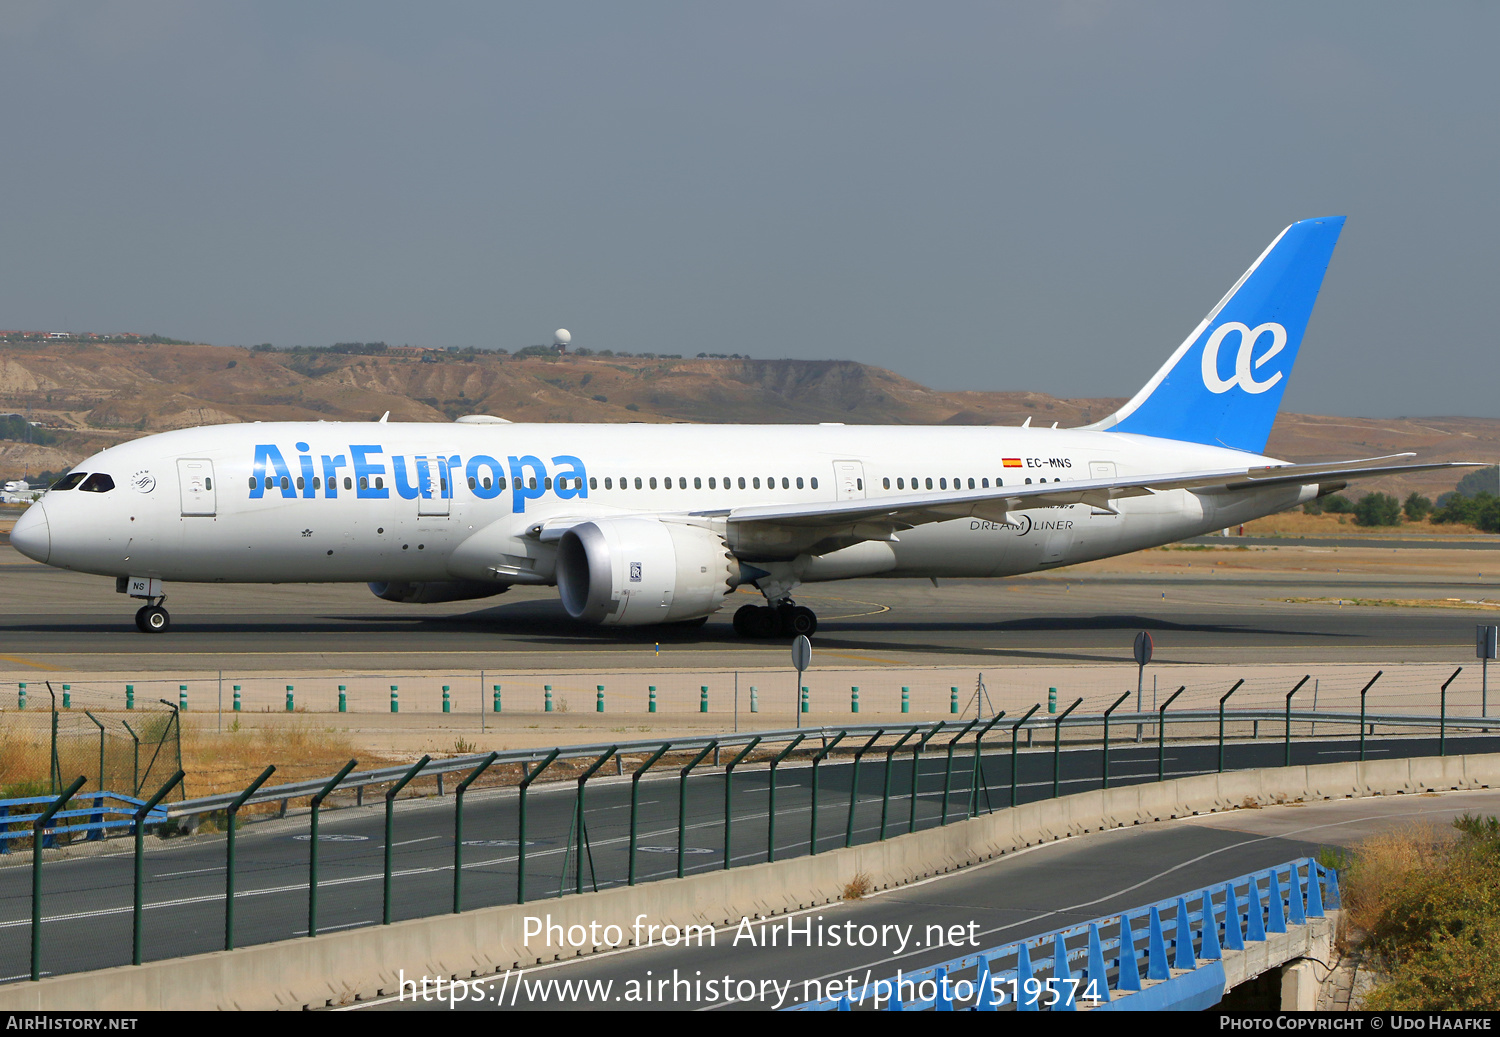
(879, 518)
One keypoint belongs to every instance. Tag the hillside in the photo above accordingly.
(94, 394)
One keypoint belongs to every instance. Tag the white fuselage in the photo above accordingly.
(335, 501)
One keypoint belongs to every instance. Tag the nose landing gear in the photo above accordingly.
(784, 619)
(152, 619)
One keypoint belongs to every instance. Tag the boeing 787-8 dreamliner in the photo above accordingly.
(649, 524)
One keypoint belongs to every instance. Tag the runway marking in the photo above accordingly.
(195, 871)
(29, 662)
(863, 658)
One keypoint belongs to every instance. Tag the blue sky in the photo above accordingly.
(997, 196)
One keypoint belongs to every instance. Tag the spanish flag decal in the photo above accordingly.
(1013, 462)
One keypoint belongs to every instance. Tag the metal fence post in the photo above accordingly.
(140, 822)
(390, 827)
(100, 726)
(231, 813)
(979, 766)
(37, 827)
(458, 823)
(885, 791)
(1107, 712)
(1362, 692)
(948, 767)
(916, 770)
(812, 841)
(682, 803)
(583, 845)
(312, 860)
(526, 781)
(1161, 734)
(1287, 759)
(1057, 744)
(1443, 713)
(635, 786)
(771, 796)
(1223, 700)
(854, 786)
(1014, 731)
(135, 772)
(729, 793)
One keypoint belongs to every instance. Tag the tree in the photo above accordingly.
(1338, 504)
(1377, 509)
(1417, 507)
(1483, 480)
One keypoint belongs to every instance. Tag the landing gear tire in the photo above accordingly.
(152, 619)
(742, 619)
(799, 620)
(784, 620)
(763, 623)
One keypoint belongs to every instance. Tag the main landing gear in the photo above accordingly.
(781, 620)
(152, 619)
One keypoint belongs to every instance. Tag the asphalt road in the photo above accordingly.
(1017, 896)
(87, 898)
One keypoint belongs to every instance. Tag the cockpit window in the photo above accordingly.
(69, 481)
(97, 483)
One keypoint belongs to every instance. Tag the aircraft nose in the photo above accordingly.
(31, 535)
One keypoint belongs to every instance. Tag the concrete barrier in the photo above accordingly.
(342, 967)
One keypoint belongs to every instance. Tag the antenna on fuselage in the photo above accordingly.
(387, 414)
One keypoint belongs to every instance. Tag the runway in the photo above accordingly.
(1198, 610)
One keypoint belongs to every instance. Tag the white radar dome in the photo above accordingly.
(562, 336)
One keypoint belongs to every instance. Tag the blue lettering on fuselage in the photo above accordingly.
(425, 475)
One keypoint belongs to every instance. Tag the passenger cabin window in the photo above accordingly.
(349, 483)
(711, 483)
(97, 483)
(756, 482)
(653, 482)
(929, 482)
(72, 479)
(815, 482)
(742, 482)
(799, 482)
(638, 482)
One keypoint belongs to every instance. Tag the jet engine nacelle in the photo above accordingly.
(636, 571)
(430, 592)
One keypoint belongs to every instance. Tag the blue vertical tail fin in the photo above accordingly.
(1223, 385)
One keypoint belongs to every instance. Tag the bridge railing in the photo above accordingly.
(1155, 951)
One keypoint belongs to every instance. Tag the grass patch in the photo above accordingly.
(1424, 906)
(1400, 603)
(227, 762)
